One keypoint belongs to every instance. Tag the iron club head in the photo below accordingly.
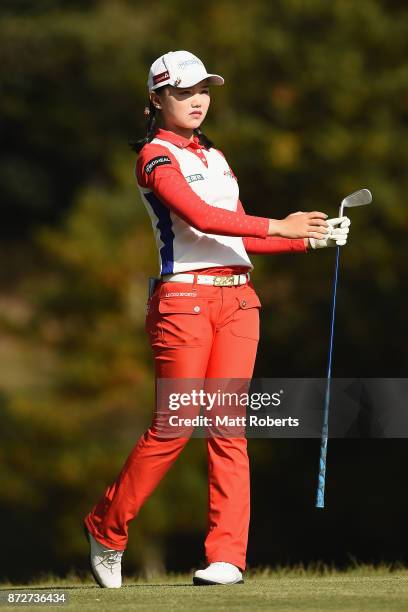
(358, 198)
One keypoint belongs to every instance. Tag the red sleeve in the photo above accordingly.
(271, 244)
(157, 169)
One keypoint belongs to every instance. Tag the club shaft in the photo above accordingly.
(325, 428)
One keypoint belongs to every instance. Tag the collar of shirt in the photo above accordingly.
(179, 141)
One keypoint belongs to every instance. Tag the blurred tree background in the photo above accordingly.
(314, 106)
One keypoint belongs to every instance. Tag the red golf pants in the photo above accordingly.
(195, 331)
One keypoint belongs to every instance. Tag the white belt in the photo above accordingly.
(206, 279)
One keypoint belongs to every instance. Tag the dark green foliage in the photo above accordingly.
(314, 106)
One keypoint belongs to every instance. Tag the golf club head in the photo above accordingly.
(358, 198)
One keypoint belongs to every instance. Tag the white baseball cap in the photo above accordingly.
(180, 69)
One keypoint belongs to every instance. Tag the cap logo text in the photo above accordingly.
(189, 62)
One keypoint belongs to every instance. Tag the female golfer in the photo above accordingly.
(202, 316)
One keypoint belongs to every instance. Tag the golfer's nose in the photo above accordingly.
(196, 101)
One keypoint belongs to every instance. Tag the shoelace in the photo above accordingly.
(110, 557)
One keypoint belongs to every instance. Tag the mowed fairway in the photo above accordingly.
(358, 589)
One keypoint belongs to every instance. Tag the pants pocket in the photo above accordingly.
(181, 321)
(245, 320)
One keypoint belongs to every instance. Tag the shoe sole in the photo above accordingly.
(203, 582)
(86, 532)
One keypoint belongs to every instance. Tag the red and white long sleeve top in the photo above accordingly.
(192, 198)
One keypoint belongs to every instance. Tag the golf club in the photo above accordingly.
(358, 198)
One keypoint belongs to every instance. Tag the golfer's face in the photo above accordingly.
(185, 107)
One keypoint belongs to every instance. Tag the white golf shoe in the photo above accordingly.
(219, 572)
(105, 563)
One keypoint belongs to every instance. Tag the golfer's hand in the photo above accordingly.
(339, 229)
(300, 225)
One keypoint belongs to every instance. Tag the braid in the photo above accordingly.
(137, 145)
(151, 128)
(206, 142)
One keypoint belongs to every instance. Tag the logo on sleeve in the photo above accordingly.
(156, 161)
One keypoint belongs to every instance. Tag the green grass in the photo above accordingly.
(312, 590)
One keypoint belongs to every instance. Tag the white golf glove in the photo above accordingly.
(339, 229)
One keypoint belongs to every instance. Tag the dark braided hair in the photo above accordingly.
(151, 129)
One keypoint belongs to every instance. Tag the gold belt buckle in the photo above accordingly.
(223, 281)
